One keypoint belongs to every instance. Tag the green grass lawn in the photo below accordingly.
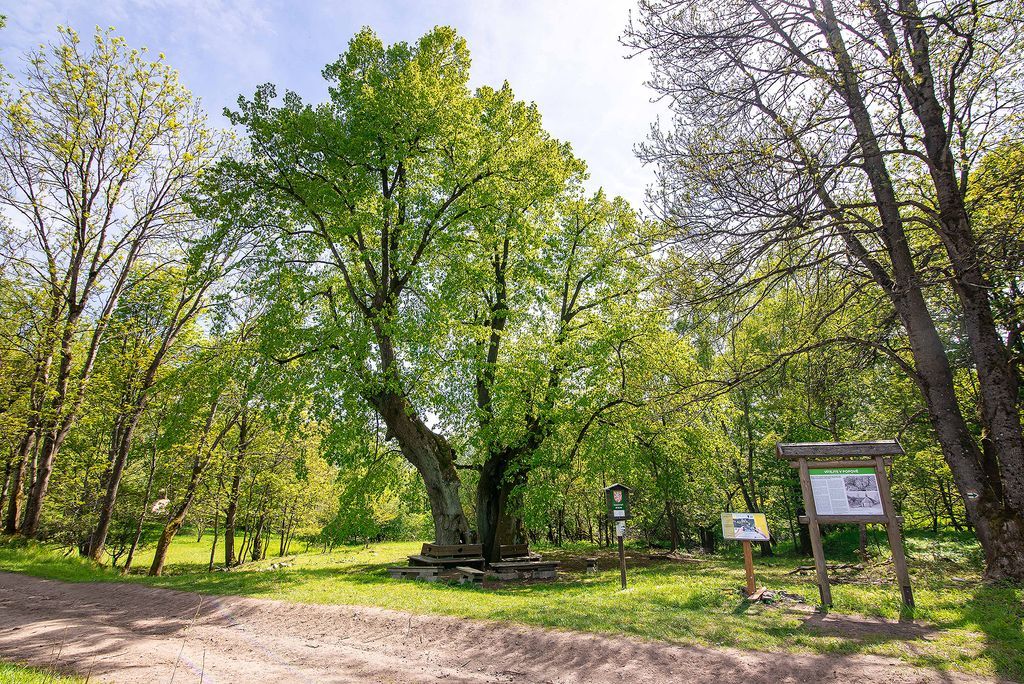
(967, 625)
(18, 674)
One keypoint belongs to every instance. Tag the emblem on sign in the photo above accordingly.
(617, 495)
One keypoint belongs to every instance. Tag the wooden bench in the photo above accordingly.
(526, 569)
(468, 574)
(450, 555)
(427, 573)
(517, 552)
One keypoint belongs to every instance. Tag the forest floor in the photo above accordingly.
(136, 633)
(962, 626)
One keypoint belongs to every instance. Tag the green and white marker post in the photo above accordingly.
(616, 498)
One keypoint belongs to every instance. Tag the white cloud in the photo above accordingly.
(562, 54)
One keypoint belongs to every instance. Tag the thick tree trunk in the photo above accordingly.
(52, 442)
(12, 522)
(803, 537)
(433, 458)
(998, 382)
(62, 410)
(991, 479)
(1001, 505)
(499, 477)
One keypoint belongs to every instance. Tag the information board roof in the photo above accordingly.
(831, 450)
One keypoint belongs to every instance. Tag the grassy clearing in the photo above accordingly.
(18, 674)
(969, 626)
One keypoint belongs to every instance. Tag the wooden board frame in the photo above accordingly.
(876, 454)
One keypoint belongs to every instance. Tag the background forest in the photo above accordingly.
(404, 313)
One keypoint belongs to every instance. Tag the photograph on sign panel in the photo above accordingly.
(862, 493)
(749, 526)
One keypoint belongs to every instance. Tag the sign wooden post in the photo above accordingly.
(746, 527)
(616, 498)
(824, 590)
(847, 482)
(748, 566)
(622, 558)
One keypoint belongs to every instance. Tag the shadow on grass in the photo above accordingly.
(996, 611)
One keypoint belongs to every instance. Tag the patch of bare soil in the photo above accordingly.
(135, 633)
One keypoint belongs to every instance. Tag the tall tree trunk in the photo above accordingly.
(991, 478)
(246, 534)
(433, 458)
(51, 444)
(216, 518)
(167, 536)
(234, 491)
(499, 478)
(257, 537)
(708, 541)
(12, 522)
(999, 504)
(203, 454)
(122, 446)
(6, 488)
(229, 519)
(63, 407)
(177, 518)
(216, 534)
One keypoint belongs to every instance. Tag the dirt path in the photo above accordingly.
(134, 633)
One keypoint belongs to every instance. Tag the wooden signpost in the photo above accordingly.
(616, 498)
(746, 527)
(847, 482)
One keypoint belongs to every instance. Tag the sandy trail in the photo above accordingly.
(134, 633)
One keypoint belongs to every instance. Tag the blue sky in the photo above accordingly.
(562, 54)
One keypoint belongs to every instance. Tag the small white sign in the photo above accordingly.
(620, 529)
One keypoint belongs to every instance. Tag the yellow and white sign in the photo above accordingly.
(745, 526)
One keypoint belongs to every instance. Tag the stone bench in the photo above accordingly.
(470, 575)
(531, 569)
(427, 573)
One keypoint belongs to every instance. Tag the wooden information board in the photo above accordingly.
(745, 528)
(846, 482)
